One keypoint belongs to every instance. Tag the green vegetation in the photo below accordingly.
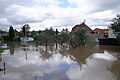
(51, 36)
(11, 33)
(45, 37)
(74, 39)
(115, 69)
(115, 26)
(63, 38)
(25, 29)
(78, 38)
(1, 50)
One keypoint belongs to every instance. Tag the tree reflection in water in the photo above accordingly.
(25, 49)
(0, 57)
(115, 68)
(68, 63)
(81, 54)
(12, 48)
(78, 55)
(45, 54)
(4, 68)
(63, 50)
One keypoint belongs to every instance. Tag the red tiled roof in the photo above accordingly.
(100, 30)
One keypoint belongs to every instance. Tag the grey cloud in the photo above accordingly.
(103, 5)
(109, 4)
(70, 21)
(17, 19)
(99, 22)
(6, 3)
(4, 27)
(13, 18)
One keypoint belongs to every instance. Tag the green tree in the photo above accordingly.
(49, 32)
(56, 37)
(78, 38)
(46, 37)
(63, 38)
(11, 33)
(115, 26)
(25, 29)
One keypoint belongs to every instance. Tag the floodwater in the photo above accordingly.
(38, 63)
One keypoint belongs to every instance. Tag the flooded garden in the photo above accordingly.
(31, 62)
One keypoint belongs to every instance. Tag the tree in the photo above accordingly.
(47, 37)
(25, 29)
(49, 32)
(115, 26)
(78, 38)
(63, 38)
(11, 33)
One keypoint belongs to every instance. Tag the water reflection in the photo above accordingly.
(3, 68)
(45, 54)
(111, 49)
(12, 48)
(80, 54)
(95, 68)
(38, 63)
(105, 56)
(115, 68)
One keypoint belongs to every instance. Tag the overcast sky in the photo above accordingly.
(41, 14)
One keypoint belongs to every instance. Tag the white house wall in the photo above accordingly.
(111, 33)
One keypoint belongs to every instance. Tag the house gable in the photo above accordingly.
(81, 26)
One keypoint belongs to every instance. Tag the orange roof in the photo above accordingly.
(100, 30)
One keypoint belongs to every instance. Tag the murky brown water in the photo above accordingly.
(37, 63)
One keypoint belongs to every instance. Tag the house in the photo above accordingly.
(111, 40)
(17, 34)
(3, 33)
(100, 33)
(111, 33)
(84, 27)
(27, 39)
